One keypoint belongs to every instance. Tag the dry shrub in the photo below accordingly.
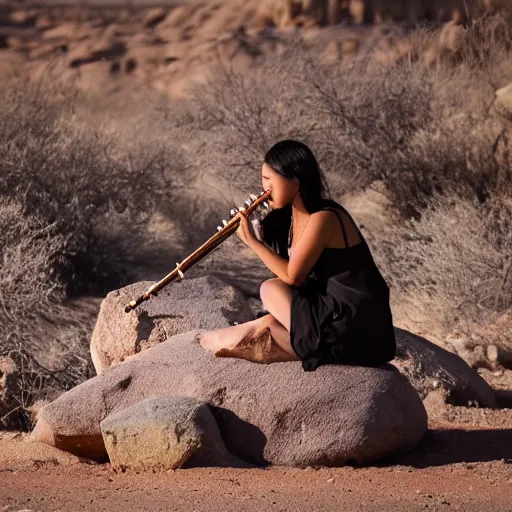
(30, 252)
(406, 125)
(31, 291)
(374, 113)
(80, 178)
(76, 198)
(487, 42)
(455, 261)
(239, 121)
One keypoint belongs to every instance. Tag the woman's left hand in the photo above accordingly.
(244, 230)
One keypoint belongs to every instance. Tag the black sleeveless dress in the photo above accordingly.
(340, 314)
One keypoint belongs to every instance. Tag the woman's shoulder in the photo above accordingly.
(331, 204)
(330, 209)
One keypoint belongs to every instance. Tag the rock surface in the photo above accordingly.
(203, 303)
(431, 367)
(165, 433)
(274, 413)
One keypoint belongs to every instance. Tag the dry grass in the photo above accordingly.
(454, 261)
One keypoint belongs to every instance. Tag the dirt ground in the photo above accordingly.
(455, 467)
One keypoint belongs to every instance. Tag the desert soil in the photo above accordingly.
(455, 467)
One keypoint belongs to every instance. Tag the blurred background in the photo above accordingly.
(128, 130)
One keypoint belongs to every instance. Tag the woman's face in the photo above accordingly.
(283, 189)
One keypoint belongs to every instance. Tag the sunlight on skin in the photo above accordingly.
(250, 337)
(263, 340)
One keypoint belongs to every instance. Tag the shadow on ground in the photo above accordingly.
(448, 445)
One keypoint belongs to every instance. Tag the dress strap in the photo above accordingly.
(345, 239)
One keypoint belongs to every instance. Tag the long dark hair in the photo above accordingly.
(293, 159)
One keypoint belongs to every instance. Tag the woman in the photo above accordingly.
(329, 304)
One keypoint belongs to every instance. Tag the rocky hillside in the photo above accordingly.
(168, 48)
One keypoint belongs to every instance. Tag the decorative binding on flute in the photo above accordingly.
(223, 232)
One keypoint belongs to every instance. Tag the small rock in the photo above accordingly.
(492, 353)
(163, 433)
(154, 17)
(44, 22)
(503, 101)
(23, 17)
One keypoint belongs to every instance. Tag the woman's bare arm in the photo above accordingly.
(316, 236)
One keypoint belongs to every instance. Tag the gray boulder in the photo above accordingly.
(208, 303)
(274, 413)
(430, 367)
(202, 303)
(165, 433)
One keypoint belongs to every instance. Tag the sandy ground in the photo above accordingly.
(455, 467)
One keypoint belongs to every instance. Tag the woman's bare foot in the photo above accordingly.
(253, 341)
(257, 347)
(227, 337)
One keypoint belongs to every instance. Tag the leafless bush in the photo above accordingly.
(243, 120)
(79, 177)
(76, 200)
(30, 293)
(32, 381)
(30, 251)
(406, 125)
(487, 42)
(455, 260)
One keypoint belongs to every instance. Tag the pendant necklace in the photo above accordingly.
(290, 236)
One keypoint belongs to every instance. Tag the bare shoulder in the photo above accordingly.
(324, 217)
(324, 223)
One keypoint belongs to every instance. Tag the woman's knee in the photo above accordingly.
(267, 287)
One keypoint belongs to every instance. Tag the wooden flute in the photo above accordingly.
(222, 234)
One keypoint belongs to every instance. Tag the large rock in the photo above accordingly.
(274, 413)
(203, 303)
(430, 367)
(208, 303)
(165, 433)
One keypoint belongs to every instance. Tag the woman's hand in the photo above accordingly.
(244, 230)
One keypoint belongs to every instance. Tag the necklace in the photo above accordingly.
(290, 234)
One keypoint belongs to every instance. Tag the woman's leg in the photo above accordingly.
(277, 299)
(229, 336)
(266, 339)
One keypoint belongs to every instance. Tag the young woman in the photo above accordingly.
(328, 303)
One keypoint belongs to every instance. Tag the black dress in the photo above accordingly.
(340, 314)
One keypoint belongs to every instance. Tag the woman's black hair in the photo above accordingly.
(293, 159)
